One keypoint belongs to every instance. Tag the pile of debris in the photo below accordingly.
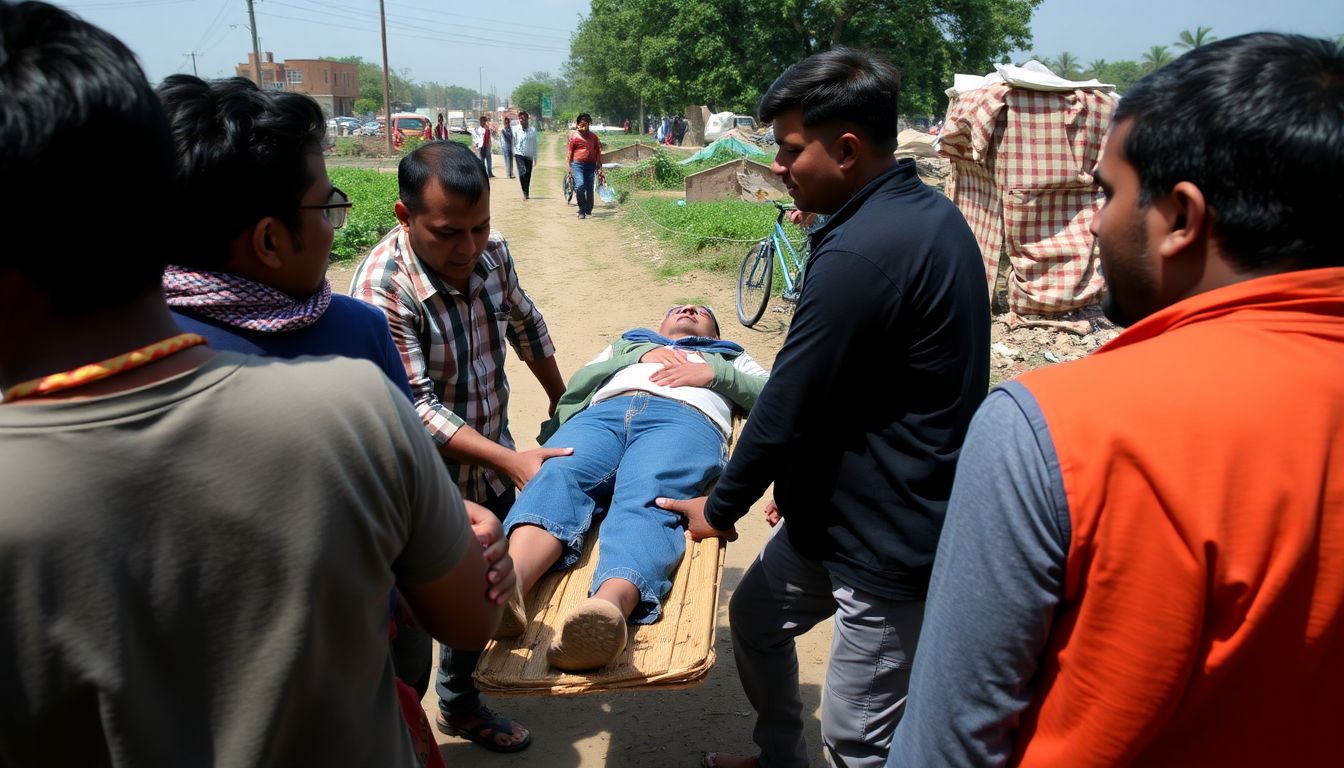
(1020, 343)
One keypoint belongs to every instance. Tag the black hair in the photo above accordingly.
(86, 165)
(583, 116)
(841, 85)
(454, 165)
(1257, 123)
(522, 112)
(242, 155)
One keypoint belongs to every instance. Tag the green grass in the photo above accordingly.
(373, 194)
(612, 141)
(710, 236)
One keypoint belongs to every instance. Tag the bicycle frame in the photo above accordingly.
(779, 237)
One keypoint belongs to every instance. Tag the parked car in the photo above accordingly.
(411, 125)
(371, 128)
(343, 124)
(722, 122)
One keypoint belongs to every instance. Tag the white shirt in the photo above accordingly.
(525, 141)
(478, 136)
(635, 378)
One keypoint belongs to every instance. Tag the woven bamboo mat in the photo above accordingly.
(677, 651)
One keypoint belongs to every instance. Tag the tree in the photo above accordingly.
(1096, 67)
(1155, 58)
(725, 53)
(1122, 74)
(1192, 40)
(528, 94)
(1066, 66)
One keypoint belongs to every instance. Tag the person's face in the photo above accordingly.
(449, 234)
(583, 126)
(1121, 228)
(310, 253)
(522, 120)
(687, 320)
(809, 163)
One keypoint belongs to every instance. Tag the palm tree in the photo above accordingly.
(1066, 66)
(1156, 58)
(1095, 67)
(1190, 41)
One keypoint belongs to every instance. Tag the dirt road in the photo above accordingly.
(593, 282)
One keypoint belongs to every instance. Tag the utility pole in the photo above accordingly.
(256, 44)
(480, 74)
(193, 63)
(387, 88)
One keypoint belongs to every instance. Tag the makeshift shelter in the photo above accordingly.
(728, 147)
(1023, 143)
(740, 179)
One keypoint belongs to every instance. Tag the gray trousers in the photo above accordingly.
(783, 595)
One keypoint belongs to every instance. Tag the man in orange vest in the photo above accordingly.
(1143, 556)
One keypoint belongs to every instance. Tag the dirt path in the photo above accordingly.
(593, 281)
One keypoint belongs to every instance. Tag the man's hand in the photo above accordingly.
(772, 516)
(664, 356)
(489, 532)
(684, 374)
(694, 510)
(522, 465)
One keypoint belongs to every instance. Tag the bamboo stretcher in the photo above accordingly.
(677, 651)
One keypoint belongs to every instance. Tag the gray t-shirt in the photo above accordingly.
(197, 572)
(997, 579)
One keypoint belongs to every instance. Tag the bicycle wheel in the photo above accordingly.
(754, 282)
(569, 188)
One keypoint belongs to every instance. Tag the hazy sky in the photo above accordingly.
(448, 42)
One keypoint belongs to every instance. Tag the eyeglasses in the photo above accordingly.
(335, 209)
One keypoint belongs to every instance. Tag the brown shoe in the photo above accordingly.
(592, 636)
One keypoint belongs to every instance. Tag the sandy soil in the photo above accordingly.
(593, 282)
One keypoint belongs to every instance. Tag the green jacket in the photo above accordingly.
(740, 388)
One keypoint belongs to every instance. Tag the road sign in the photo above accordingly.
(546, 105)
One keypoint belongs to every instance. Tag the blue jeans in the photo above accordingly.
(486, 160)
(456, 688)
(585, 174)
(628, 451)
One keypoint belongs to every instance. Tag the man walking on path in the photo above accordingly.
(862, 420)
(506, 145)
(480, 139)
(525, 152)
(453, 300)
(584, 155)
(1143, 559)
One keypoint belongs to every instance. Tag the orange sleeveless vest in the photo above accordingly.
(1202, 454)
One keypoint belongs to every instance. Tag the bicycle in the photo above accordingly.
(569, 187)
(756, 278)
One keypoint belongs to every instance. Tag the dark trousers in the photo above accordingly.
(524, 173)
(456, 689)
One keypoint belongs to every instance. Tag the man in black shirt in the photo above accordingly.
(860, 425)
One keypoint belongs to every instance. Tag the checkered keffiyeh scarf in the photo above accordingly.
(242, 303)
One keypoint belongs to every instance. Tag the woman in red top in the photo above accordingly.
(585, 160)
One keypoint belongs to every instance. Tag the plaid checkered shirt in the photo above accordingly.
(453, 344)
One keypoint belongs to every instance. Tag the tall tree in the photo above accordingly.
(1155, 58)
(1192, 40)
(1066, 66)
(1095, 68)
(725, 53)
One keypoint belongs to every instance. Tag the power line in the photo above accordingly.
(428, 18)
(404, 35)
(417, 25)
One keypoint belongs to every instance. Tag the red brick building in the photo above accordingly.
(332, 84)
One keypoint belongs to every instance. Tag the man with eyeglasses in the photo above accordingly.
(262, 212)
(650, 416)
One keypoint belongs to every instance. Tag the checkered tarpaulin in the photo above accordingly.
(1023, 165)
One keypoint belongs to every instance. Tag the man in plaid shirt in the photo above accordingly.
(448, 287)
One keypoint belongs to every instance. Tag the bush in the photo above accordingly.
(373, 194)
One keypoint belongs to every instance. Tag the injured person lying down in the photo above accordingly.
(651, 416)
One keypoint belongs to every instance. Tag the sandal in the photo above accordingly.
(489, 726)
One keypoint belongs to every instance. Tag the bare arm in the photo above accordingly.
(548, 375)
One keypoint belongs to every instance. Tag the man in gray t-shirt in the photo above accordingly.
(197, 549)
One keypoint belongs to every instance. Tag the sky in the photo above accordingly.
(498, 44)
